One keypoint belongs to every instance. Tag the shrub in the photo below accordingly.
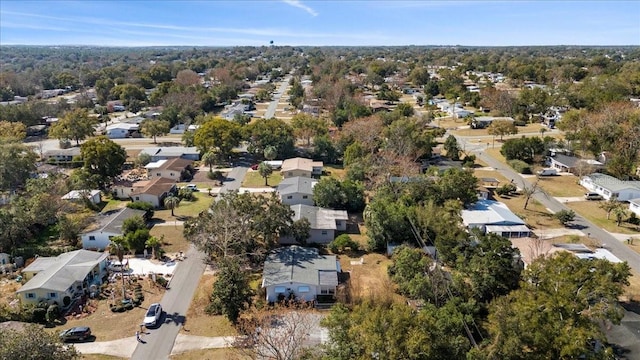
(565, 216)
(161, 281)
(53, 312)
(186, 194)
(633, 219)
(520, 166)
(343, 242)
(215, 175)
(143, 205)
(506, 189)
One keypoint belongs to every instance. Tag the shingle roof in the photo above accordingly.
(299, 163)
(58, 273)
(297, 184)
(112, 222)
(300, 265)
(156, 186)
(319, 218)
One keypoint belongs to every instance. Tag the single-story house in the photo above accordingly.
(494, 217)
(609, 187)
(296, 190)
(92, 195)
(176, 169)
(171, 152)
(323, 223)
(153, 191)
(489, 182)
(72, 274)
(299, 272)
(572, 164)
(61, 155)
(109, 225)
(481, 122)
(634, 206)
(301, 167)
(121, 130)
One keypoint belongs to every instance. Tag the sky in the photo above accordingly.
(319, 23)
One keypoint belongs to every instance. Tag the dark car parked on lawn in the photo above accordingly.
(78, 333)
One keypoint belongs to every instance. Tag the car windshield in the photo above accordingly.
(152, 310)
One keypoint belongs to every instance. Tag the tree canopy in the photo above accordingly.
(104, 158)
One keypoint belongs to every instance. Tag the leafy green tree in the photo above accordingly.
(328, 193)
(274, 132)
(306, 126)
(457, 184)
(386, 222)
(155, 128)
(300, 230)
(270, 152)
(36, 343)
(12, 131)
(526, 149)
(502, 128)
(565, 216)
(342, 243)
(18, 161)
(265, 170)
(353, 153)
(558, 311)
(171, 202)
(74, 125)
(135, 233)
(104, 158)
(452, 148)
(209, 158)
(217, 133)
(620, 214)
(324, 149)
(231, 292)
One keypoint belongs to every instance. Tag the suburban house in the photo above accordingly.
(494, 217)
(121, 130)
(72, 274)
(572, 164)
(323, 223)
(153, 191)
(300, 273)
(296, 190)
(608, 186)
(481, 122)
(109, 225)
(301, 167)
(92, 195)
(634, 206)
(61, 155)
(171, 152)
(176, 169)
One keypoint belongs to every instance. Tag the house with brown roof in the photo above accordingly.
(301, 167)
(153, 191)
(177, 169)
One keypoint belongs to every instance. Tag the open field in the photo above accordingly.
(561, 186)
(198, 321)
(173, 240)
(254, 180)
(591, 211)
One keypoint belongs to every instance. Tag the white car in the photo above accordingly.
(152, 317)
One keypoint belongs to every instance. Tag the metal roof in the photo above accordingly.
(613, 184)
(300, 265)
(297, 184)
(489, 212)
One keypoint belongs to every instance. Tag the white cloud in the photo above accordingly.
(300, 5)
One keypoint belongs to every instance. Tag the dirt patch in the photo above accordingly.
(8, 290)
(368, 276)
(198, 321)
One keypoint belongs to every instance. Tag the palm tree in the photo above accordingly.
(119, 246)
(209, 158)
(171, 202)
(154, 243)
(270, 152)
(542, 131)
(620, 213)
(265, 170)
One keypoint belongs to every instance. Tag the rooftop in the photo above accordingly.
(297, 184)
(611, 183)
(299, 264)
(490, 212)
(112, 221)
(299, 163)
(319, 218)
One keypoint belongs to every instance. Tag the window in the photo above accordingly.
(328, 291)
(324, 232)
(280, 289)
(158, 174)
(137, 198)
(305, 196)
(303, 289)
(92, 237)
(289, 197)
(53, 295)
(170, 174)
(31, 296)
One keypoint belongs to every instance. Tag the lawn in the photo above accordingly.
(561, 186)
(186, 209)
(335, 171)
(198, 321)
(210, 354)
(536, 215)
(107, 325)
(113, 204)
(632, 291)
(254, 180)
(490, 174)
(173, 240)
(369, 279)
(591, 211)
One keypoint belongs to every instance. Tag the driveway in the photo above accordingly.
(160, 342)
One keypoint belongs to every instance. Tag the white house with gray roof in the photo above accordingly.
(608, 186)
(296, 190)
(323, 223)
(109, 225)
(494, 217)
(303, 273)
(170, 152)
(71, 274)
(634, 206)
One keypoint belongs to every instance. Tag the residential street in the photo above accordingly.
(176, 301)
(273, 105)
(608, 241)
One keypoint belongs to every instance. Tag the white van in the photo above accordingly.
(548, 172)
(116, 266)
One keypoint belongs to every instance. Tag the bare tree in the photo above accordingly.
(529, 191)
(278, 334)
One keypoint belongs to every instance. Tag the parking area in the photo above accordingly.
(140, 266)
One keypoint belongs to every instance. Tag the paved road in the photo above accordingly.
(608, 241)
(175, 302)
(271, 110)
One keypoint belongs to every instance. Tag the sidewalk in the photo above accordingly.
(125, 347)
